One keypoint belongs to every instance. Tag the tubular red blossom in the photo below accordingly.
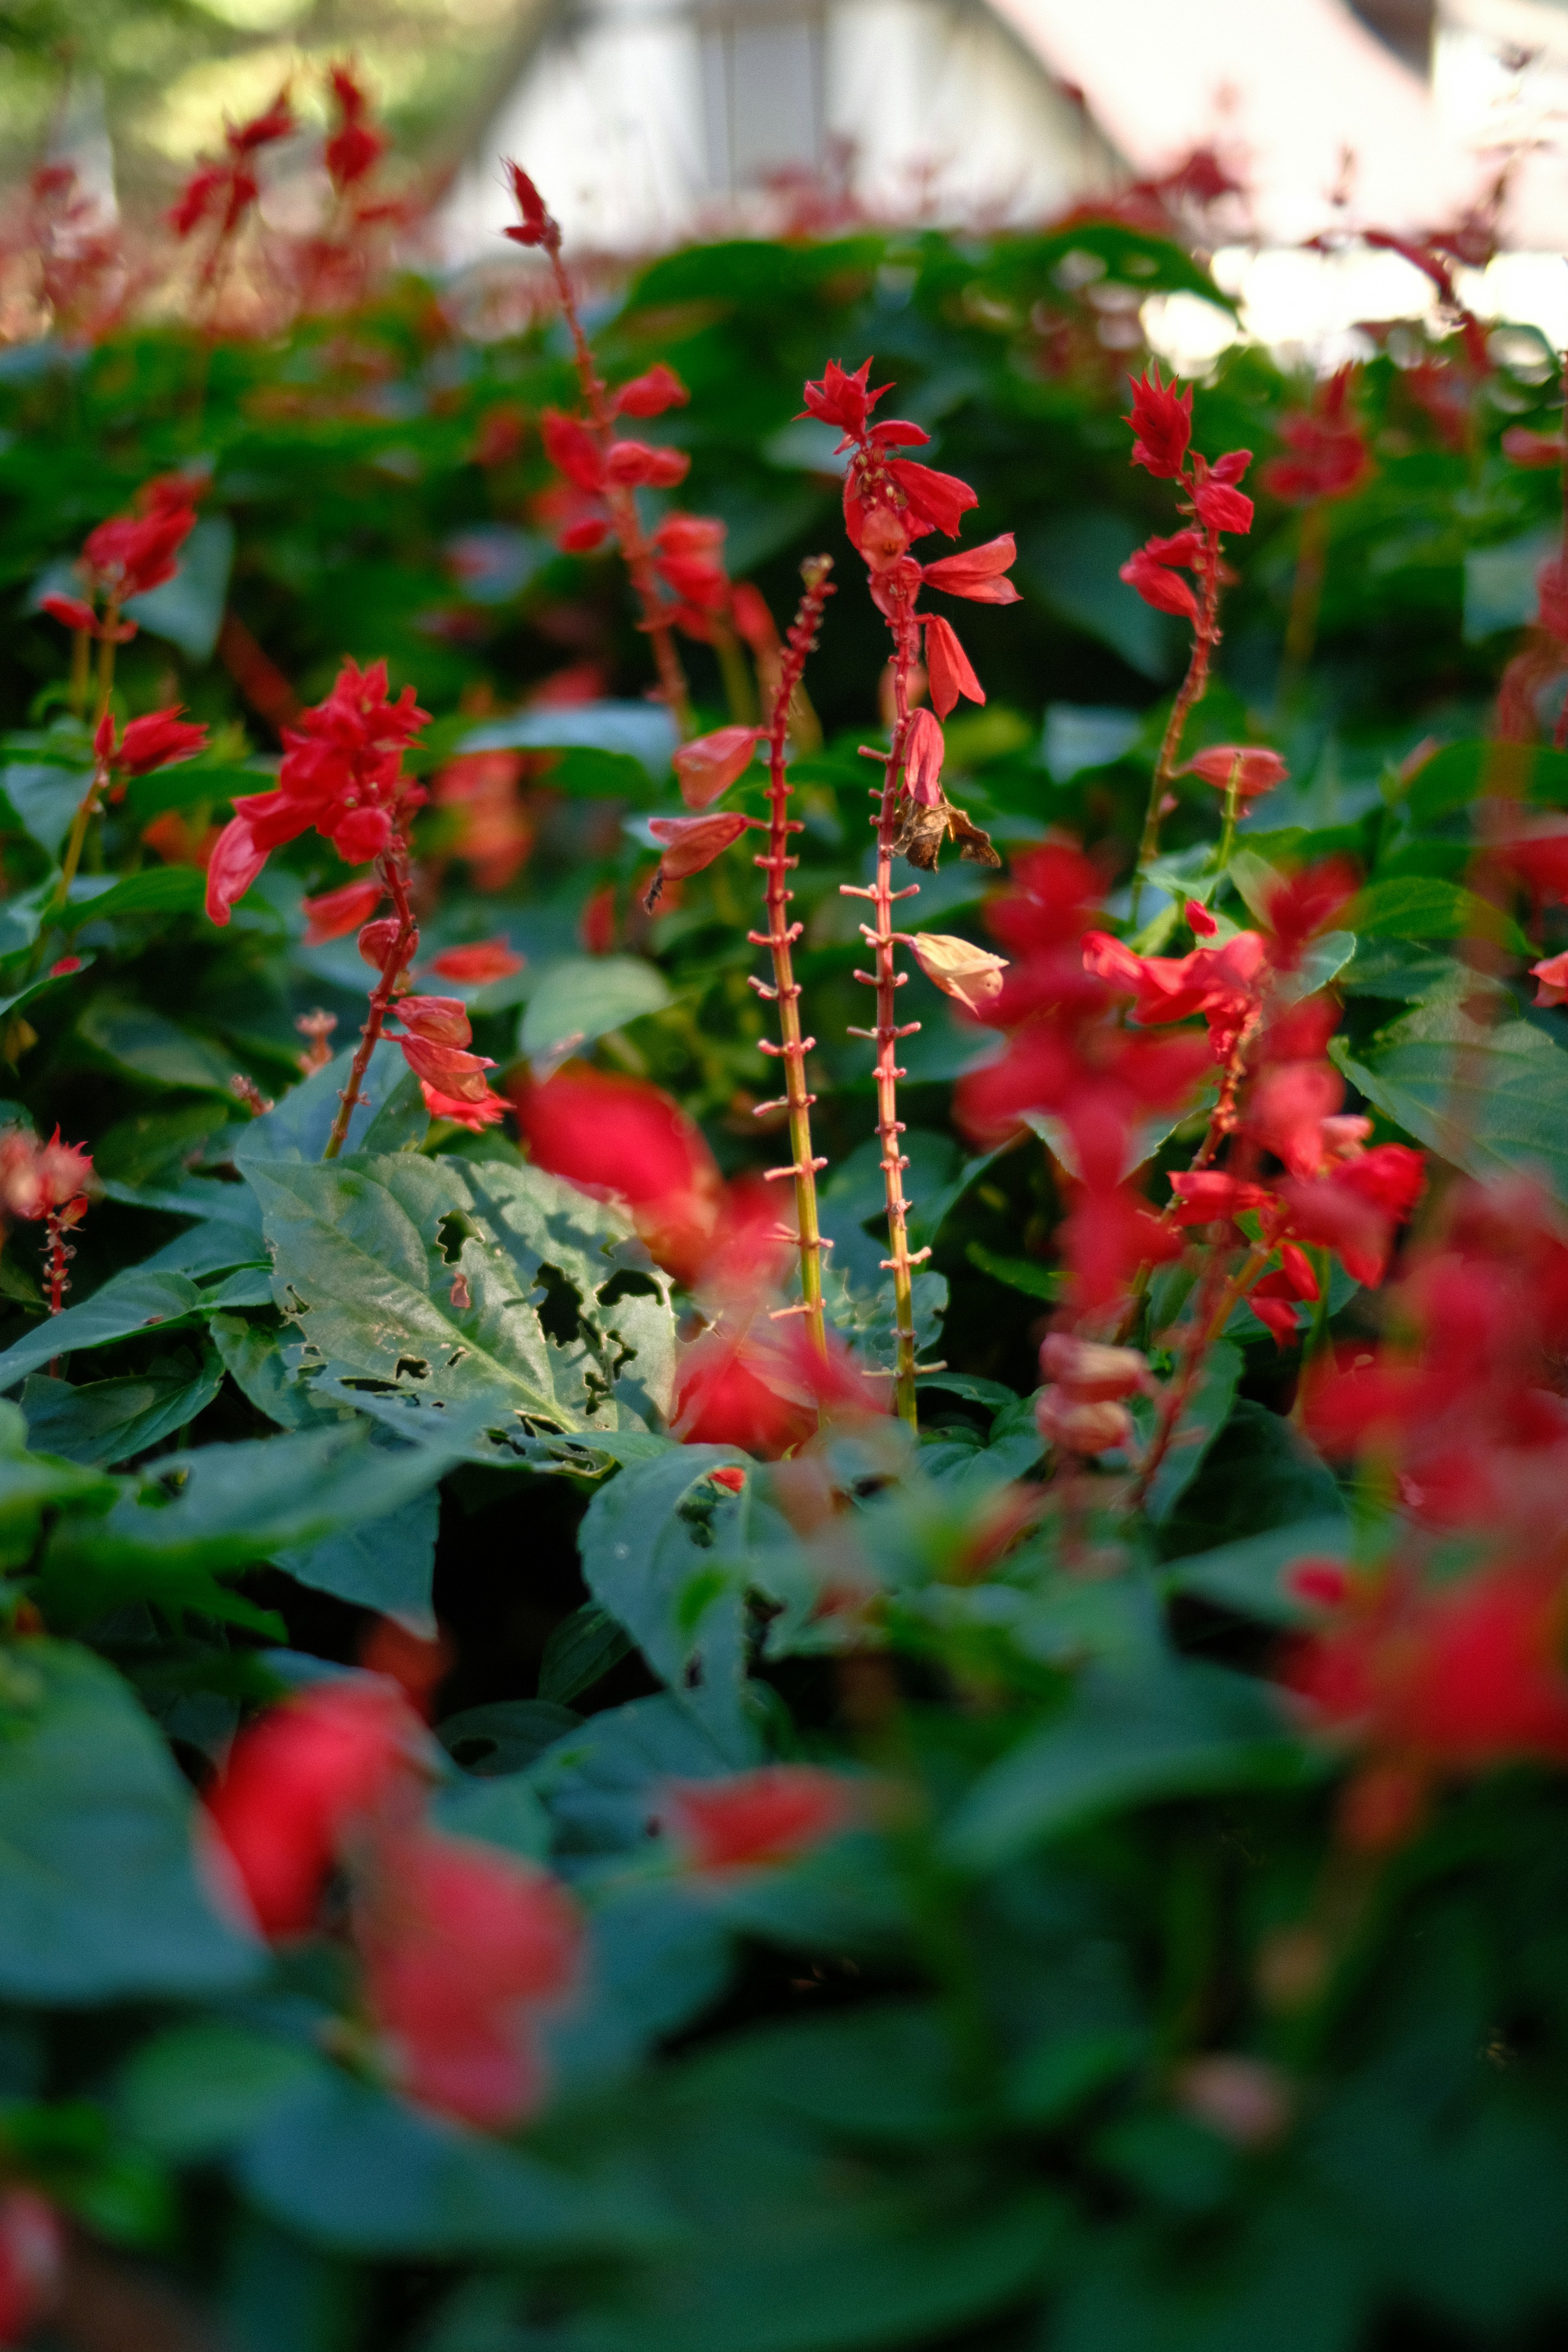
(625, 1137)
(536, 227)
(978, 573)
(130, 554)
(712, 764)
(843, 400)
(1207, 1195)
(691, 843)
(1544, 450)
(463, 1945)
(232, 869)
(940, 500)
(157, 740)
(297, 1784)
(356, 146)
(71, 610)
(948, 667)
(485, 1110)
(972, 975)
(1221, 507)
(1287, 1107)
(378, 940)
(924, 751)
(1248, 768)
(757, 1819)
(1303, 904)
(1551, 977)
(572, 450)
(1080, 1425)
(1162, 423)
(1158, 584)
(767, 1388)
(32, 2261)
(337, 912)
(478, 966)
(1356, 1208)
(447, 1068)
(651, 394)
(634, 465)
(1329, 456)
(439, 1020)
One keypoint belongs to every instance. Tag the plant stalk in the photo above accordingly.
(779, 938)
(1194, 687)
(394, 873)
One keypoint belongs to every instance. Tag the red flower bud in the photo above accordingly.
(651, 395)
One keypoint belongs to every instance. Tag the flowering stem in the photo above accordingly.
(1205, 637)
(888, 979)
(89, 803)
(1211, 1314)
(636, 552)
(779, 937)
(394, 873)
(59, 1255)
(81, 670)
(1232, 810)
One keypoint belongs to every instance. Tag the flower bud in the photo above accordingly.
(1063, 1420)
(378, 940)
(970, 974)
(439, 1020)
(1094, 1372)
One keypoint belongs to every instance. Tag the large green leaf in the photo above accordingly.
(126, 1304)
(584, 997)
(105, 1422)
(386, 1564)
(1128, 1737)
(664, 1551)
(347, 2166)
(1486, 1096)
(156, 1051)
(160, 890)
(1424, 907)
(1248, 1575)
(298, 1128)
(566, 1327)
(99, 1896)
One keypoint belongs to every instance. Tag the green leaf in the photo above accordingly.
(1424, 907)
(189, 783)
(597, 1781)
(160, 890)
(1248, 1576)
(106, 1421)
(145, 1047)
(1023, 1273)
(499, 1808)
(664, 1552)
(387, 1564)
(580, 1651)
(505, 1736)
(1073, 562)
(361, 1265)
(1260, 1471)
(32, 1483)
(1487, 1098)
(1202, 1418)
(1127, 1738)
(1461, 774)
(198, 2090)
(188, 609)
(346, 2166)
(298, 1127)
(99, 1898)
(44, 798)
(126, 1304)
(584, 997)
(641, 734)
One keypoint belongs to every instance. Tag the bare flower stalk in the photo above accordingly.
(779, 938)
(887, 980)
(394, 870)
(1194, 687)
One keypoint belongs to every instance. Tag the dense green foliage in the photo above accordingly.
(921, 2087)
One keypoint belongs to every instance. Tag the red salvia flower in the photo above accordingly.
(337, 912)
(297, 1784)
(478, 966)
(357, 145)
(757, 1819)
(651, 395)
(623, 1137)
(948, 667)
(1162, 422)
(32, 2262)
(707, 767)
(1329, 457)
(157, 740)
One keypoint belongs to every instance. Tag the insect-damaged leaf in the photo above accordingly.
(480, 1287)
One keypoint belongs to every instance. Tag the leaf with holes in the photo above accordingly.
(495, 1291)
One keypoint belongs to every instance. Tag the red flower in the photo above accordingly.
(924, 752)
(1328, 459)
(634, 465)
(478, 966)
(156, 741)
(536, 227)
(1253, 769)
(337, 912)
(977, 574)
(1220, 508)
(1206, 1196)
(37, 1179)
(843, 400)
(708, 766)
(487, 1109)
(378, 940)
(691, 843)
(755, 1818)
(298, 1782)
(1553, 977)
(356, 146)
(71, 610)
(1539, 449)
(651, 395)
(765, 1386)
(623, 1137)
(463, 1945)
(940, 501)
(1150, 570)
(130, 554)
(1306, 903)
(342, 773)
(572, 450)
(32, 2258)
(948, 667)
(1162, 422)
(1356, 1209)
